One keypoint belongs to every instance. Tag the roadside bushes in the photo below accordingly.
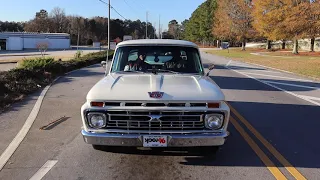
(38, 63)
(89, 42)
(78, 54)
(33, 74)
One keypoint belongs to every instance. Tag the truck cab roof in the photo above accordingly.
(157, 42)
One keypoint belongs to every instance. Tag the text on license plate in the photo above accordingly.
(155, 141)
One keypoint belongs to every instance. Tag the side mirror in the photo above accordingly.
(104, 64)
(211, 67)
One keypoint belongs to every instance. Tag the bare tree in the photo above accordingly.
(59, 20)
(40, 23)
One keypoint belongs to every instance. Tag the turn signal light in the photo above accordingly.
(97, 104)
(213, 105)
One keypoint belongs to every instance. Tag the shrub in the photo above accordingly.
(23, 81)
(101, 55)
(37, 63)
(78, 54)
(89, 42)
(34, 74)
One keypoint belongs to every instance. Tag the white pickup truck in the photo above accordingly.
(155, 94)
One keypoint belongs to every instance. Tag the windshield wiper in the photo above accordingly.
(155, 71)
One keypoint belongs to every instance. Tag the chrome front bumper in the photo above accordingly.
(190, 140)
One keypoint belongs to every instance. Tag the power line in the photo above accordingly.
(142, 6)
(134, 9)
(129, 6)
(112, 8)
(118, 13)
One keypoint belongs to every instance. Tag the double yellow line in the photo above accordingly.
(269, 164)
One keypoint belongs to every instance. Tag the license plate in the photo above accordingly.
(155, 141)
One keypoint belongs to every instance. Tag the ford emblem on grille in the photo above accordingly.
(156, 94)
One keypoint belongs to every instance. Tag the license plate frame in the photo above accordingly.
(155, 141)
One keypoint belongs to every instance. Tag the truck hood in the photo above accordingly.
(135, 87)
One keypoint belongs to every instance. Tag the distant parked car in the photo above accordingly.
(224, 45)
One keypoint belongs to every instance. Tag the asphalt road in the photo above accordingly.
(274, 132)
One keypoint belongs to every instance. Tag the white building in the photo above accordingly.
(24, 40)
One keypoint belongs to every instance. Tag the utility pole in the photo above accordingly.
(78, 38)
(154, 26)
(147, 26)
(159, 28)
(161, 31)
(109, 7)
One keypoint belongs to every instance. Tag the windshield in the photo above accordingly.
(157, 58)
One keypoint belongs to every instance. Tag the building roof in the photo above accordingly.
(157, 42)
(33, 35)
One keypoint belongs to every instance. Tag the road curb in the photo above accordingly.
(14, 144)
(8, 152)
(8, 62)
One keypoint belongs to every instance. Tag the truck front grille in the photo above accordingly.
(154, 121)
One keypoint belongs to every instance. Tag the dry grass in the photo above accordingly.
(56, 55)
(309, 54)
(307, 64)
(21, 58)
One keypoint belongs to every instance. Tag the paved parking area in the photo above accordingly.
(7, 66)
(13, 56)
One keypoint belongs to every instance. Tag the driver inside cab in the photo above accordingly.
(139, 64)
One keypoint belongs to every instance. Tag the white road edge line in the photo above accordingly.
(242, 65)
(23, 131)
(5, 156)
(229, 63)
(288, 92)
(263, 66)
(279, 77)
(294, 85)
(269, 71)
(44, 170)
(310, 97)
(271, 68)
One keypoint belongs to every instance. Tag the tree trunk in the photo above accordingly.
(218, 43)
(312, 44)
(283, 44)
(268, 44)
(243, 48)
(295, 47)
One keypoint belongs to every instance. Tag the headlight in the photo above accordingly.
(214, 121)
(97, 120)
